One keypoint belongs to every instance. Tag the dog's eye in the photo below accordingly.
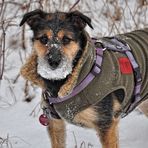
(43, 39)
(66, 40)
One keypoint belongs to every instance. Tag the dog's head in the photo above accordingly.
(58, 40)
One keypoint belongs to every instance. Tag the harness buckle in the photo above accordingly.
(96, 70)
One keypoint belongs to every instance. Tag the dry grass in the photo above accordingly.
(7, 142)
(83, 144)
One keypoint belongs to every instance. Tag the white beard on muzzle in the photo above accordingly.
(44, 69)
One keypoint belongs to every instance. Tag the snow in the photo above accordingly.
(19, 125)
(24, 130)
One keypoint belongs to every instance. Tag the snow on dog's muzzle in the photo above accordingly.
(54, 58)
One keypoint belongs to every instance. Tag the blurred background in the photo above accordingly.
(109, 17)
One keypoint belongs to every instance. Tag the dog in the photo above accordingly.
(63, 56)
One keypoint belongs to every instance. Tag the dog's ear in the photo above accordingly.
(79, 20)
(32, 17)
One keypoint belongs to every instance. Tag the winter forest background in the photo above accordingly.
(19, 100)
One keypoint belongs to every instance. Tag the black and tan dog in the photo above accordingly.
(63, 55)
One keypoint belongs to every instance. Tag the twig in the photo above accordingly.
(74, 5)
(13, 94)
(7, 141)
(17, 77)
(2, 53)
(23, 38)
(33, 113)
(75, 140)
(21, 139)
(1, 10)
(83, 143)
(40, 4)
(90, 145)
(4, 103)
(12, 2)
(23, 28)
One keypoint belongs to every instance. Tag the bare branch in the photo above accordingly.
(74, 5)
(23, 38)
(36, 110)
(2, 52)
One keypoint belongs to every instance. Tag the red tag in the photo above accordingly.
(44, 120)
(125, 65)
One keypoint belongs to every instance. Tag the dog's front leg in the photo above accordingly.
(56, 130)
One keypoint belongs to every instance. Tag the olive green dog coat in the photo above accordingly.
(109, 80)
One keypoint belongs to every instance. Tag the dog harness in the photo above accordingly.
(128, 64)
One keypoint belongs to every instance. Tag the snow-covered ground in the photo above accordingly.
(24, 131)
(19, 126)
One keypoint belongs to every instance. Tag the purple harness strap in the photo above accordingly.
(119, 46)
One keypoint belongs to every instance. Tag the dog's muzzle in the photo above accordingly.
(54, 58)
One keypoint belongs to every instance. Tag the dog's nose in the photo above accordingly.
(54, 58)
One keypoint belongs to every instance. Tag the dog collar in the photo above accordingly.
(95, 70)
